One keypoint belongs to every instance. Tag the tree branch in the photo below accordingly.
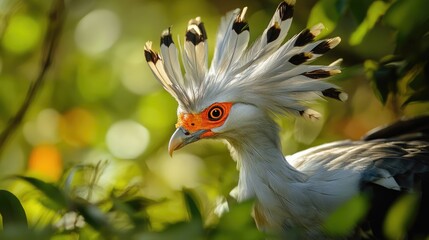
(56, 21)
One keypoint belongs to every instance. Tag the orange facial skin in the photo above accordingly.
(212, 117)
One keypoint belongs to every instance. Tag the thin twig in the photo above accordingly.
(56, 21)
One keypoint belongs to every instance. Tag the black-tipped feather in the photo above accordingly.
(304, 38)
(316, 74)
(151, 56)
(322, 48)
(273, 33)
(240, 26)
(332, 93)
(195, 37)
(300, 58)
(166, 39)
(285, 10)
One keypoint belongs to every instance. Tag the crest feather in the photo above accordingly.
(270, 74)
(232, 39)
(273, 35)
(195, 52)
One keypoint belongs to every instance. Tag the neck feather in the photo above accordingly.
(260, 161)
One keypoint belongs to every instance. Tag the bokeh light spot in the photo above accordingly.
(45, 161)
(134, 73)
(127, 139)
(182, 171)
(78, 127)
(97, 31)
(44, 129)
(22, 34)
(12, 160)
(95, 81)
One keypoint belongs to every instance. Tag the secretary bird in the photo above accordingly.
(237, 98)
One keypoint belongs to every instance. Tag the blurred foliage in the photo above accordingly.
(342, 222)
(89, 158)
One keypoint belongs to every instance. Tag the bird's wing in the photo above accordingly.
(389, 161)
(397, 165)
(406, 129)
(394, 156)
(408, 164)
(385, 169)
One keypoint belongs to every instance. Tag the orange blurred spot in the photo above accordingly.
(78, 127)
(45, 161)
(354, 128)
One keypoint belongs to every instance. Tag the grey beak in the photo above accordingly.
(181, 137)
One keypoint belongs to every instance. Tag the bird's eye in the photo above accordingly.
(215, 113)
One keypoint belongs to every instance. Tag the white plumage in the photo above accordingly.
(236, 98)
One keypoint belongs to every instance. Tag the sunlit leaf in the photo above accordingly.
(375, 11)
(420, 96)
(11, 210)
(413, 84)
(400, 216)
(343, 220)
(49, 190)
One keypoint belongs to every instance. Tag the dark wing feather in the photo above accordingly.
(405, 157)
(416, 128)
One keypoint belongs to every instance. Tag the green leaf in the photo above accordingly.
(238, 223)
(192, 229)
(416, 82)
(11, 210)
(343, 220)
(385, 80)
(327, 12)
(93, 216)
(19, 232)
(408, 17)
(375, 11)
(400, 216)
(359, 8)
(135, 208)
(51, 191)
(194, 212)
(178, 231)
(420, 96)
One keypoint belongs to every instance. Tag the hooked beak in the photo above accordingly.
(181, 137)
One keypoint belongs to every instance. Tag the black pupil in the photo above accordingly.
(215, 113)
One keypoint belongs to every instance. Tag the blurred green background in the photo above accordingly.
(99, 125)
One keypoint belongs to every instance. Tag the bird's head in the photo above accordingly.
(220, 120)
(192, 127)
(244, 85)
